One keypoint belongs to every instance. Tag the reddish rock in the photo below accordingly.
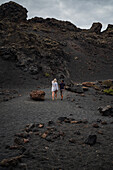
(88, 84)
(37, 95)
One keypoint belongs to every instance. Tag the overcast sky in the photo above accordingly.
(81, 13)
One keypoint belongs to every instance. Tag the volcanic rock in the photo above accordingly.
(91, 140)
(75, 88)
(96, 27)
(52, 48)
(106, 111)
(88, 84)
(37, 95)
(11, 161)
(13, 12)
(95, 125)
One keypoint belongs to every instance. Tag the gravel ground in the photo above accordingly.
(16, 113)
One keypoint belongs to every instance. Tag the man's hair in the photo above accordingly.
(62, 80)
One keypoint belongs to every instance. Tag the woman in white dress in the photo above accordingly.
(54, 89)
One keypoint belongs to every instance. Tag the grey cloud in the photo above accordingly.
(80, 12)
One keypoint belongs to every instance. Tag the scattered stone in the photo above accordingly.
(51, 129)
(75, 122)
(44, 135)
(95, 125)
(41, 125)
(67, 120)
(100, 132)
(23, 135)
(35, 129)
(11, 161)
(72, 100)
(18, 141)
(50, 123)
(72, 140)
(84, 121)
(26, 140)
(14, 147)
(49, 139)
(106, 111)
(99, 120)
(61, 119)
(23, 166)
(91, 140)
(104, 123)
(29, 127)
(85, 88)
(77, 133)
(83, 95)
(37, 95)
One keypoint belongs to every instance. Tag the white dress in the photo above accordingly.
(54, 86)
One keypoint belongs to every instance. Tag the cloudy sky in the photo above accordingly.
(82, 13)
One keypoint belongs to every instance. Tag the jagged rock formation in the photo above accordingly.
(96, 27)
(11, 11)
(52, 48)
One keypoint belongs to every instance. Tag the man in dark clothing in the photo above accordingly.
(62, 87)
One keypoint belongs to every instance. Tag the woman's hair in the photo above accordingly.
(55, 80)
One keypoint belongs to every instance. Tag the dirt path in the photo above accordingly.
(18, 112)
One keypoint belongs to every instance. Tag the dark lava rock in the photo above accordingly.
(106, 111)
(75, 88)
(12, 11)
(51, 123)
(72, 140)
(61, 119)
(22, 135)
(91, 140)
(77, 133)
(96, 27)
(95, 125)
(18, 141)
(104, 123)
(11, 161)
(50, 47)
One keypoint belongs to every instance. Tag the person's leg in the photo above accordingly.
(55, 94)
(52, 95)
(61, 94)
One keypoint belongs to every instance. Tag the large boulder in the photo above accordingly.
(12, 11)
(96, 27)
(37, 95)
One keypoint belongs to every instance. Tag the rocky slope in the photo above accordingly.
(52, 48)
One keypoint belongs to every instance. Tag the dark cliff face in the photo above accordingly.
(51, 48)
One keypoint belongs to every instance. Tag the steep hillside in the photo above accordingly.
(47, 48)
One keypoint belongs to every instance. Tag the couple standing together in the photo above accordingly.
(55, 88)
